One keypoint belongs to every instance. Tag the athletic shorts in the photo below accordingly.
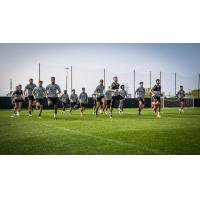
(108, 102)
(121, 97)
(40, 101)
(73, 104)
(181, 99)
(54, 100)
(114, 99)
(94, 102)
(83, 104)
(64, 104)
(141, 99)
(100, 98)
(31, 98)
(156, 99)
(18, 100)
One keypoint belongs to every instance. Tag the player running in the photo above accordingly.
(140, 96)
(83, 99)
(73, 101)
(108, 98)
(52, 91)
(39, 93)
(65, 101)
(29, 88)
(114, 88)
(181, 94)
(99, 91)
(17, 98)
(123, 95)
(156, 94)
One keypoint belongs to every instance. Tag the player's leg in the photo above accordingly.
(30, 103)
(112, 103)
(103, 100)
(182, 105)
(97, 107)
(15, 109)
(158, 107)
(55, 109)
(19, 108)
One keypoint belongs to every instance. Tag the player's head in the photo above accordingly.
(181, 87)
(53, 80)
(101, 82)
(19, 87)
(141, 83)
(40, 83)
(115, 79)
(30, 80)
(83, 89)
(73, 91)
(65, 91)
(157, 81)
(122, 87)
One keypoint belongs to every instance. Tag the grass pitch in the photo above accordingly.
(173, 133)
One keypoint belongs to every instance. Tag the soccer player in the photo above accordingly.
(83, 99)
(99, 91)
(181, 95)
(156, 94)
(39, 93)
(108, 98)
(52, 91)
(140, 96)
(65, 101)
(114, 88)
(123, 95)
(29, 88)
(73, 100)
(17, 98)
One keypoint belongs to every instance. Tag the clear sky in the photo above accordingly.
(19, 62)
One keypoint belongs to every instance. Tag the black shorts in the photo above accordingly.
(181, 99)
(64, 104)
(40, 101)
(156, 99)
(114, 99)
(54, 100)
(73, 104)
(100, 98)
(141, 99)
(121, 97)
(17, 100)
(83, 104)
(30, 98)
(108, 102)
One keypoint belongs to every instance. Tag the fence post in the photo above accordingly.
(134, 82)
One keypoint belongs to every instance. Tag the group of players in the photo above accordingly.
(102, 100)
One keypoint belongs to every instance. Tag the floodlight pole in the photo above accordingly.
(71, 79)
(150, 79)
(134, 82)
(39, 72)
(10, 86)
(104, 76)
(66, 68)
(175, 83)
(199, 87)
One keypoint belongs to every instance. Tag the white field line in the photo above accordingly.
(72, 132)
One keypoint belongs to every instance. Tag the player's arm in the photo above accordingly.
(33, 93)
(46, 91)
(25, 90)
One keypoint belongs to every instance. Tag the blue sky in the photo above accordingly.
(20, 62)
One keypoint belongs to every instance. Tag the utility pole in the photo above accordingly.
(10, 86)
(160, 77)
(66, 68)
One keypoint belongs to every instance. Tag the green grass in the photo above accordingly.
(174, 133)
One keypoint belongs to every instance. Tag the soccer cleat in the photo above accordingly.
(110, 115)
(179, 110)
(62, 112)
(17, 114)
(55, 117)
(30, 115)
(12, 116)
(182, 111)
(39, 117)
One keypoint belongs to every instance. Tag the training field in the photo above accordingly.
(174, 133)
